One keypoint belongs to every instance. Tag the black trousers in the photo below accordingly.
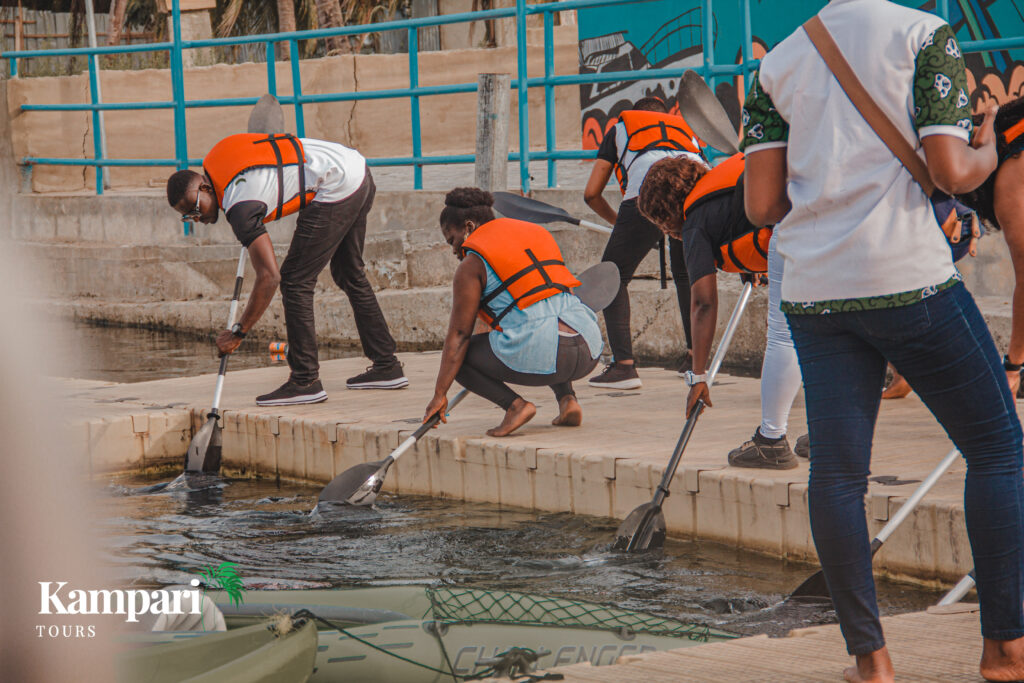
(331, 233)
(484, 374)
(632, 237)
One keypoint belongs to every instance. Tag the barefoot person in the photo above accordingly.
(702, 210)
(644, 134)
(254, 178)
(869, 278)
(511, 276)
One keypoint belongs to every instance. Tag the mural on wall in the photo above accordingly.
(668, 34)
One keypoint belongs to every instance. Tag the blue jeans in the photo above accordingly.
(943, 348)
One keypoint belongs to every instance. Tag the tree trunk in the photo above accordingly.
(117, 10)
(329, 15)
(285, 16)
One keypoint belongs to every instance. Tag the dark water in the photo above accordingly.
(269, 532)
(128, 354)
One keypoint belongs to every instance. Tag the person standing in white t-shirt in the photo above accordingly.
(256, 178)
(868, 278)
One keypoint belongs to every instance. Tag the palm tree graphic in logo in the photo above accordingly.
(225, 576)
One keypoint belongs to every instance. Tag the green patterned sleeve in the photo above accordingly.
(762, 123)
(941, 102)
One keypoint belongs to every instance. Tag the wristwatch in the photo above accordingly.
(1011, 367)
(692, 379)
(236, 330)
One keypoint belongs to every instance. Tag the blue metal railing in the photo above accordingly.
(415, 92)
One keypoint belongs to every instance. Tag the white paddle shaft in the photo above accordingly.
(915, 498)
(958, 592)
(411, 440)
(730, 330)
(595, 226)
(239, 272)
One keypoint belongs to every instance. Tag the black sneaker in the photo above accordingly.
(292, 393)
(762, 453)
(617, 376)
(803, 447)
(685, 365)
(376, 377)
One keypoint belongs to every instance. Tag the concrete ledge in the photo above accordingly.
(605, 468)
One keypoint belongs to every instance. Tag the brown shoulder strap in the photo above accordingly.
(868, 108)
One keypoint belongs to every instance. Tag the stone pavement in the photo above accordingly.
(606, 467)
(940, 645)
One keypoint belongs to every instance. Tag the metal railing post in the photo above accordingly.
(549, 96)
(14, 67)
(414, 108)
(748, 44)
(707, 18)
(178, 92)
(300, 119)
(271, 69)
(942, 8)
(97, 122)
(524, 100)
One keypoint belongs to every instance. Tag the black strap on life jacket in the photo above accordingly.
(273, 141)
(535, 265)
(658, 144)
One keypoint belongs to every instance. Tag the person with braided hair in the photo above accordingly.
(513, 277)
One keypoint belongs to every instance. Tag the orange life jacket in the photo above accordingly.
(648, 130)
(526, 258)
(239, 153)
(747, 253)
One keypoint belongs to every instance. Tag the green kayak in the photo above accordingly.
(417, 634)
(259, 653)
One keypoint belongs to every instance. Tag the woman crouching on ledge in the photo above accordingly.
(513, 277)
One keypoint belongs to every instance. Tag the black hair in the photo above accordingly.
(178, 184)
(650, 104)
(982, 198)
(467, 204)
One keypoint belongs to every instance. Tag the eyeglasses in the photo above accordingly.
(195, 213)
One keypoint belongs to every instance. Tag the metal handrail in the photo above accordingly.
(414, 92)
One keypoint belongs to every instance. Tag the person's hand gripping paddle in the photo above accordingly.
(644, 528)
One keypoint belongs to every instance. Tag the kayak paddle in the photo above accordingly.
(523, 208)
(644, 528)
(815, 586)
(705, 114)
(961, 589)
(359, 485)
(204, 452)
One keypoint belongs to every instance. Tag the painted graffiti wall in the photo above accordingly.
(668, 34)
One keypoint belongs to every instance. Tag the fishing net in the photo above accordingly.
(467, 605)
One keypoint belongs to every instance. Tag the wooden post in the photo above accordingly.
(493, 102)
(18, 27)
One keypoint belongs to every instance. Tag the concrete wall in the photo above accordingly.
(378, 128)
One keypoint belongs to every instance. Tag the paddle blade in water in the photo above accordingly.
(205, 450)
(643, 530)
(357, 485)
(814, 587)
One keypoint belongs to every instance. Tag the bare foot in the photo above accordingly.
(875, 667)
(570, 413)
(518, 414)
(898, 389)
(1003, 660)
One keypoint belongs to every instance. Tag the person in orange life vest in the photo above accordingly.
(643, 135)
(511, 276)
(702, 209)
(999, 202)
(256, 178)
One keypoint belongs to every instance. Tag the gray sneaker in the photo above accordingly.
(803, 447)
(617, 376)
(765, 454)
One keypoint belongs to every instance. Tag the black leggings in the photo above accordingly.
(632, 237)
(484, 374)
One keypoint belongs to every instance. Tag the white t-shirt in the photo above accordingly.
(860, 226)
(332, 170)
